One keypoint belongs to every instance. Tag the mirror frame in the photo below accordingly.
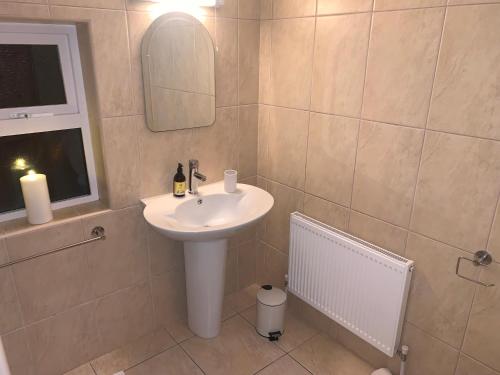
(145, 47)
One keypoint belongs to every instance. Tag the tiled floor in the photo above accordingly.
(237, 350)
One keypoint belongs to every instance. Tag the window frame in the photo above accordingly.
(72, 115)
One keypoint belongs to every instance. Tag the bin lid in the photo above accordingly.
(271, 296)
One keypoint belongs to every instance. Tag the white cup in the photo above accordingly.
(230, 179)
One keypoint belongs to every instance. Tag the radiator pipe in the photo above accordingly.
(403, 354)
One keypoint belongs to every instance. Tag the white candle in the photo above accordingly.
(36, 198)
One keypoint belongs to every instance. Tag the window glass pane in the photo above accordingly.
(30, 75)
(57, 154)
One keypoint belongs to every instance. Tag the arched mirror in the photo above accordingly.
(179, 77)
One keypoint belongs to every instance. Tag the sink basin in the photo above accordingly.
(205, 222)
(212, 214)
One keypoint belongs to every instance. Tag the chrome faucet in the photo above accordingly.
(194, 176)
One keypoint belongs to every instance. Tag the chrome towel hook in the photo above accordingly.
(481, 258)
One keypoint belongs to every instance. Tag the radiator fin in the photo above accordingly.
(361, 286)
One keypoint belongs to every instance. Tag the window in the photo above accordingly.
(43, 116)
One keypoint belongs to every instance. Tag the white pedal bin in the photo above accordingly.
(271, 304)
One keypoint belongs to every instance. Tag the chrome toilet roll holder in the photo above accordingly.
(481, 258)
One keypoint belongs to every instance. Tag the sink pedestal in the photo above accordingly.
(205, 278)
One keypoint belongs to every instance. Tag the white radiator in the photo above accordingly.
(359, 285)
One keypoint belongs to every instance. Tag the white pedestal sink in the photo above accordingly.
(204, 222)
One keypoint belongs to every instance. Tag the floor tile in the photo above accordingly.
(284, 365)
(296, 332)
(237, 350)
(173, 361)
(133, 353)
(179, 330)
(85, 369)
(322, 355)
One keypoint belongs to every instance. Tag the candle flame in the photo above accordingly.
(31, 172)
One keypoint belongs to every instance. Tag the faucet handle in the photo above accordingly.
(193, 163)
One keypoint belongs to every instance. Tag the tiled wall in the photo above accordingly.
(61, 310)
(383, 119)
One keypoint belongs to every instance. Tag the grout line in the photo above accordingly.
(375, 218)
(381, 122)
(421, 158)
(191, 358)
(311, 86)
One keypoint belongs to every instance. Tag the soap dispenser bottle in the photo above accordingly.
(179, 182)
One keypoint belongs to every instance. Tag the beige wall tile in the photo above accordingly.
(459, 2)
(248, 61)
(457, 190)
(407, 4)
(361, 348)
(165, 254)
(331, 154)
(25, 1)
(247, 258)
(481, 338)
(137, 23)
(229, 9)
(247, 140)
(340, 51)
(73, 333)
(124, 316)
(10, 318)
(249, 9)
(160, 153)
(121, 260)
(272, 265)
(265, 53)
(18, 353)
(293, 8)
(291, 63)
(327, 212)
(109, 4)
(120, 142)
(221, 136)
(284, 365)
(465, 78)
(386, 170)
(439, 301)
(401, 63)
(494, 241)
(225, 36)
(40, 239)
(53, 283)
(429, 355)
(343, 6)
(266, 9)
(108, 29)
(283, 150)
(169, 298)
(468, 366)
(322, 355)
(277, 221)
(16, 9)
(378, 232)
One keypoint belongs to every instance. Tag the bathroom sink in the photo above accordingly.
(212, 214)
(204, 222)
